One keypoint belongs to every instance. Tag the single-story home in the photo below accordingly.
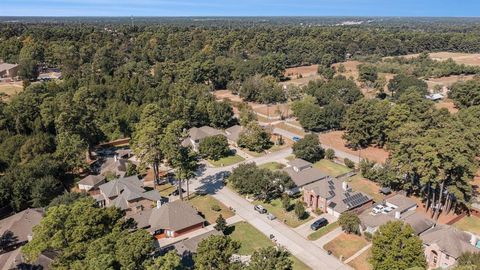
(8, 70)
(233, 134)
(333, 196)
(401, 208)
(195, 135)
(444, 244)
(16, 231)
(169, 220)
(302, 174)
(127, 193)
(91, 182)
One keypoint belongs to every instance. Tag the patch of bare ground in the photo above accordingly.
(302, 71)
(472, 59)
(447, 104)
(334, 139)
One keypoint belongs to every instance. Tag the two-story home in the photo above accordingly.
(302, 173)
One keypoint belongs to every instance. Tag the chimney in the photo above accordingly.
(397, 215)
(344, 186)
(115, 158)
(159, 204)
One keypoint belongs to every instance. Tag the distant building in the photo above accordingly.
(8, 70)
(445, 244)
(435, 97)
(169, 220)
(302, 173)
(333, 196)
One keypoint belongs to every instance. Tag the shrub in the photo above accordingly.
(368, 236)
(285, 201)
(309, 148)
(330, 154)
(216, 208)
(299, 209)
(350, 164)
(318, 211)
(221, 224)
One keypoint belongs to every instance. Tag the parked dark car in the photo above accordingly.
(176, 192)
(319, 224)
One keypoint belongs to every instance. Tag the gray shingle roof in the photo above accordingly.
(402, 202)
(233, 133)
(175, 216)
(203, 132)
(92, 180)
(21, 223)
(305, 176)
(300, 163)
(190, 245)
(449, 239)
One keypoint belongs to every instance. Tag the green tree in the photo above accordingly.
(270, 258)
(148, 136)
(220, 113)
(330, 154)
(396, 246)
(349, 222)
(350, 164)
(465, 94)
(468, 260)
(254, 138)
(309, 148)
(400, 83)
(364, 123)
(71, 150)
(214, 147)
(67, 198)
(286, 201)
(299, 210)
(367, 74)
(221, 224)
(169, 261)
(44, 190)
(215, 253)
(247, 115)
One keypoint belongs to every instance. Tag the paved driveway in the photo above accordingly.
(304, 229)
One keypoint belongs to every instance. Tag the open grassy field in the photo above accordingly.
(289, 217)
(252, 239)
(345, 245)
(204, 205)
(469, 224)
(272, 166)
(331, 168)
(226, 161)
(358, 183)
(166, 189)
(10, 89)
(322, 231)
(361, 262)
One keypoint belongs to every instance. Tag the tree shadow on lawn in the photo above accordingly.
(229, 230)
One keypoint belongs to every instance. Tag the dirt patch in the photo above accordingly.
(276, 110)
(226, 94)
(333, 139)
(443, 218)
(448, 81)
(303, 71)
(447, 104)
(351, 69)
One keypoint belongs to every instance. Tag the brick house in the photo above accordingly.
(333, 196)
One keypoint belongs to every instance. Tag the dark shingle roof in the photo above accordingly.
(175, 216)
(450, 240)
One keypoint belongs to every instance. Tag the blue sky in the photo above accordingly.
(454, 8)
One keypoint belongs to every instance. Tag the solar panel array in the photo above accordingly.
(355, 200)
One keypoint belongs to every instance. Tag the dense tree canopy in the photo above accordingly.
(309, 148)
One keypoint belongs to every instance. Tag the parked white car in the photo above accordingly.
(387, 209)
(378, 209)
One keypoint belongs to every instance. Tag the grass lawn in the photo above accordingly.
(469, 224)
(252, 153)
(10, 89)
(275, 207)
(276, 148)
(361, 262)
(345, 245)
(331, 168)
(252, 239)
(291, 129)
(272, 166)
(322, 231)
(299, 265)
(358, 183)
(166, 189)
(204, 205)
(226, 161)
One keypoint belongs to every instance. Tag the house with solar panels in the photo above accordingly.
(334, 196)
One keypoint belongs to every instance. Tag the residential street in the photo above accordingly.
(211, 180)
